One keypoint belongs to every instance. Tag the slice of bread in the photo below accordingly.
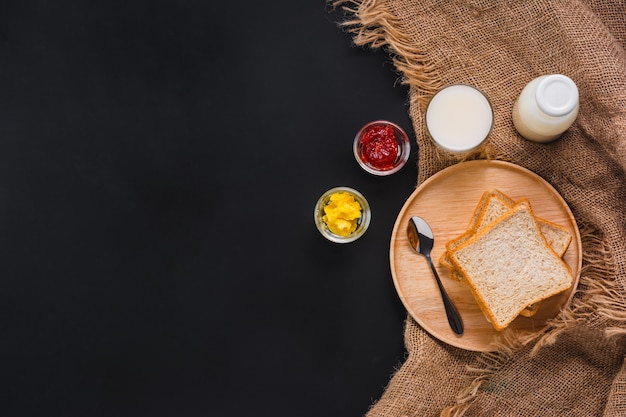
(509, 266)
(493, 204)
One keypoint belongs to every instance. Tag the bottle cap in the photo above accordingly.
(557, 95)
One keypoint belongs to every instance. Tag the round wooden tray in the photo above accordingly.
(447, 201)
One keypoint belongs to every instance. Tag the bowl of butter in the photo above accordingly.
(342, 214)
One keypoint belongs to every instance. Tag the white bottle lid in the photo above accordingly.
(557, 95)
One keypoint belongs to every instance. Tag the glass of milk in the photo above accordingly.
(459, 118)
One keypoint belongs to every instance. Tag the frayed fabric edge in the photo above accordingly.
(372, 24)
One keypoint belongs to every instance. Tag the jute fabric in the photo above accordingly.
(576, 367)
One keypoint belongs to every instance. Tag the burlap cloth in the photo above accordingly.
(577, 367)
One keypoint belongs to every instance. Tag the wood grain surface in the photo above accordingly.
(447, 201)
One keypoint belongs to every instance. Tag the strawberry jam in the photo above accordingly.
(379, 147)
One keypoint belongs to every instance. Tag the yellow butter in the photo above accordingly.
(342, 213)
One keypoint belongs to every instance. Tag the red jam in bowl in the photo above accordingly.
(381, 147)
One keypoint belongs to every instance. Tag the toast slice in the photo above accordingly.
(509, 266)
(493, 204)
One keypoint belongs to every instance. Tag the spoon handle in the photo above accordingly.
(454, 319)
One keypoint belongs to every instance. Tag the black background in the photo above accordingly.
(159, 165)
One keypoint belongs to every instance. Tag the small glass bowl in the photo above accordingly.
(404, 148)
(362, 223)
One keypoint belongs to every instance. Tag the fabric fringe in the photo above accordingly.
(372, 24)
(599, 300)
(489, 363)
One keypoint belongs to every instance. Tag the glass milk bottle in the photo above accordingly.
(546, 108)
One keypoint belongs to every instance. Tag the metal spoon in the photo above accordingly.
(422, 240)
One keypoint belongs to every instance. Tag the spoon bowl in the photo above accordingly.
(422, 239)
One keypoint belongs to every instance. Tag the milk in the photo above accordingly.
(546, 107)
(459, 118)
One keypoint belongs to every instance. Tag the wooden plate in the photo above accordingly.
(447, 201)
